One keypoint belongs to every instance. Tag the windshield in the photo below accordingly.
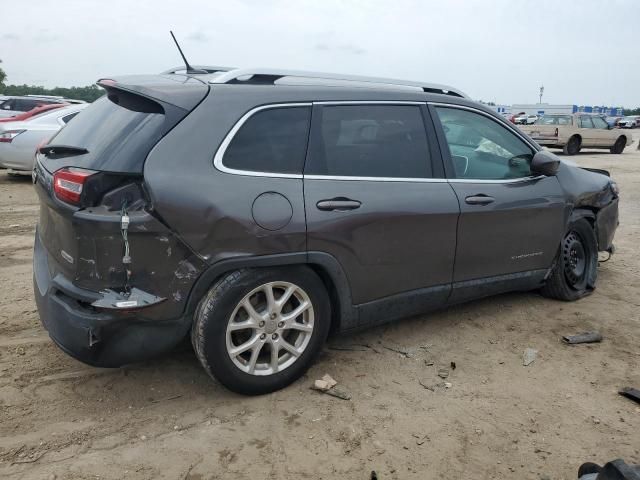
(554, 120)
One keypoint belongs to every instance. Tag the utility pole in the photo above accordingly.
(541, 92)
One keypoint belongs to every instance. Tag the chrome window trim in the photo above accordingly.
(217, 159)
(530, 178)
(375, 179)
(369, 102)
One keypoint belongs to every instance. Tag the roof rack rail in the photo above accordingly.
(206, 69)
(265, 76)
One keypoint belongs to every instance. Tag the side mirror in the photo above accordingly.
(545, 163)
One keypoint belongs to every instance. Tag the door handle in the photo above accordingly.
(339, 203)
(480, 199)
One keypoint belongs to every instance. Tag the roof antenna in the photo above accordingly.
(190, 69)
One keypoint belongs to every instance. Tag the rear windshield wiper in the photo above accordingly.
(61, 151)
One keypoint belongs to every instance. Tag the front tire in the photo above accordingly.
(575, 272)
(573, 146)
(258, 330)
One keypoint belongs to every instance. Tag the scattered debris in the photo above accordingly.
(432, 387)
(350, 348)
(329, 380)
(586, 337)
(529, 356)
(401, 351)
(421, 439)
(326, 385)
(631, 393)
(443, 372)
(453, 365)
(166, 399)
(20, 351)
(335, 392)
(428, 363)
(321, 386)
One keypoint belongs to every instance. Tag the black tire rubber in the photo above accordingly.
(208, 333)
(573, 146)
(618, 147)
(560, 285)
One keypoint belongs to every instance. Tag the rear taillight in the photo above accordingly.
(8, 135)
(68, 184)
(556, 134)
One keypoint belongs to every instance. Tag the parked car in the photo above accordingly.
(33, 112)
(256, 216)
(571, 132)
(15, 105)
(512, 117)
(525, 119)
(629, 122)
(18, 140)
(613, 121)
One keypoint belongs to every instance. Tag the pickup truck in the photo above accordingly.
(571, 132)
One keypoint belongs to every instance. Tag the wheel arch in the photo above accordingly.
(327, 267)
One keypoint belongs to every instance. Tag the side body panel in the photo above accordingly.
(401, 238)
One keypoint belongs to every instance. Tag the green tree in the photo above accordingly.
(88, 93)
(3, 77)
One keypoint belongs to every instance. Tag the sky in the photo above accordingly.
(584, 52)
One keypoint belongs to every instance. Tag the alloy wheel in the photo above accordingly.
(270, 328)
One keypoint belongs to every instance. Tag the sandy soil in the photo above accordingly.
(166, 419)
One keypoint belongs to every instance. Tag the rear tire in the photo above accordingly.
(573, 146)
(618, 147)
(238, 311)
(576, 270)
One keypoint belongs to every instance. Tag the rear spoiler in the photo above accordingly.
(178, 91)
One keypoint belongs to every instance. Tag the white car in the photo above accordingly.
(525, 119)
(632, 121)
(19, 140)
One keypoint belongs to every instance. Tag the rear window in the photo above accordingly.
(271, 141)
(118, 135)
(554, 120)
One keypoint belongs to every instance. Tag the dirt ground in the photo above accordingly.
(498, 419)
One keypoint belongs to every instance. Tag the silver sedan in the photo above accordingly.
(19, 140)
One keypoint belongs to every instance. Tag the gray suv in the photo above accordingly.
(257, 211)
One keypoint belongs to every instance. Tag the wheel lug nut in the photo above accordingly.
(280, 324)
(272, 316)
(274, 336)
(263, 336)
(261, 324)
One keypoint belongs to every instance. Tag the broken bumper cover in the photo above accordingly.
(97, 337)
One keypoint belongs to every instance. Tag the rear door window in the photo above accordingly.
(387, 141)
(585, 122)
(271, 141)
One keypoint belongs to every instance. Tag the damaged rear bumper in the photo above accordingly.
(97, 337)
